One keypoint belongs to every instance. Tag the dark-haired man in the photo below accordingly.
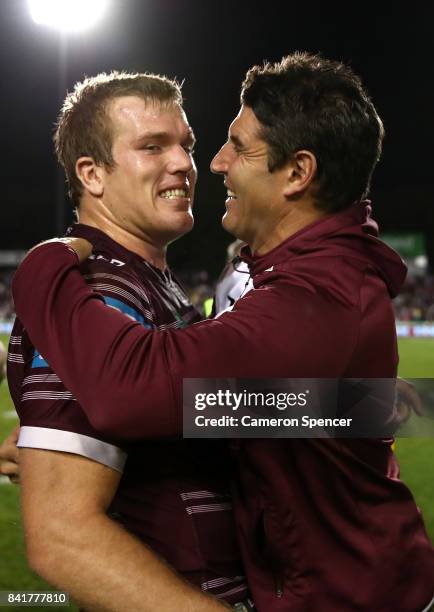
(325, 524)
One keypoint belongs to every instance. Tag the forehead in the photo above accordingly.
(132, 116)
(245, 126)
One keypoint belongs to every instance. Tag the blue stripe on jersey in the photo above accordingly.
(128, 310)
(38, 361)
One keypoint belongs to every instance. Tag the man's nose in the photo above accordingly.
(182, 161)
(219, 162)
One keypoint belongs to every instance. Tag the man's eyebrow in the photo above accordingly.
(161, 136)
(152, 136)
(236, 140)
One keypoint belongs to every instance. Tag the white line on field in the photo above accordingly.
(4, 480)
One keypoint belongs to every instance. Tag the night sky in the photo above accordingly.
(211, 45)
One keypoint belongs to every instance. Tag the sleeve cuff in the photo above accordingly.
(71, 442)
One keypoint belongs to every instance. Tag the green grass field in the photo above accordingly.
(416, 456)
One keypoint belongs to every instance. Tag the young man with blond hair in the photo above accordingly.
(94, 506)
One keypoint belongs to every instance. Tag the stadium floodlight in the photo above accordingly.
(421, 261)
(67, 15)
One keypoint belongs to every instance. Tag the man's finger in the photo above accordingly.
(8, 449)
(9, 452)
(14, 435)
(82, 247)
(8, 468)
(408, 395)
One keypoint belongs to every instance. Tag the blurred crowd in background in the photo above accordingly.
(6, 302)
(416, 300)
(414, 303)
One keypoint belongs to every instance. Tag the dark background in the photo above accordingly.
(211, 45)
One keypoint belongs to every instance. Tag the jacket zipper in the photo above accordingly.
(278, 583)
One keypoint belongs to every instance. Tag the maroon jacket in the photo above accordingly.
(325, 525)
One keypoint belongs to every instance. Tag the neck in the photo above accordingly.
(153, 253)
(298, 215)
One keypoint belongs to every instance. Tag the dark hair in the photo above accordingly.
(308, 102)
(84, 127)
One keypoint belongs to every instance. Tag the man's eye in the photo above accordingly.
(151, 147)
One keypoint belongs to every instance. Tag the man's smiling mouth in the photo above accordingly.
(172, 194)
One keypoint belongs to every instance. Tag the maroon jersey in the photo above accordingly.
(173, 493)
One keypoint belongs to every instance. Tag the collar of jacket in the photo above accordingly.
(357, 216)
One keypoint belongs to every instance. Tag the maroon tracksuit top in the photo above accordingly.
(324, 525)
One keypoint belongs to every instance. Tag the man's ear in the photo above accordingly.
(90, 176)
(301, 172)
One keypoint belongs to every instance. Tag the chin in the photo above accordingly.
(229, 226)
(181, 227)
